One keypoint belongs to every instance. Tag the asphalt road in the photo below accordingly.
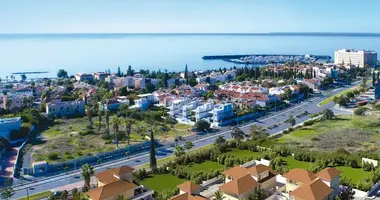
(310, 105)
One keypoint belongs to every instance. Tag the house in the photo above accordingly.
(189, 191)
(100, 75)
(84, 77)
(66, 108)
(117, 182)
(176, 107)
(313, 84)
(239, 188)
(222, 112)
(9, 124)
(114, 104)
(203, 111)
(302, 184)
(188, 108)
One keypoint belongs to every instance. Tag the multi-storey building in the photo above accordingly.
(66, 108)
(359, 58)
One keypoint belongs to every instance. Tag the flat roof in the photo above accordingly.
(9, 120)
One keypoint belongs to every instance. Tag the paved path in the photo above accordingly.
(73, 177)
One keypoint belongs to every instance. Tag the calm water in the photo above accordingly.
(171, 52)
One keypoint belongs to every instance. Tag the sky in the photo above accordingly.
(188, 16)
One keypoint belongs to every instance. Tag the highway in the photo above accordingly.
(310, 105)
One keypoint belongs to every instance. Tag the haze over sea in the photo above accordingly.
(98, 52)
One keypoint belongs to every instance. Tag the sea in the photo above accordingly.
(99, 52)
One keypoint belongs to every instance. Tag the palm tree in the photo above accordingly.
(115, 121)
(100, 113)
(128, 126)
(218, 195)
(87, 172)
(90, 113)
(237, 134)
(153, 160)
(108, 121)
(179, 151)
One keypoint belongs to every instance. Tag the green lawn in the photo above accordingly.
(244, 153)
(160, 182)
(205, 166)
(292, 163)
(37, 196)
(356, 174)
(298, 134)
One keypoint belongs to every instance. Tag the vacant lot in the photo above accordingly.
(68, 138)
(353, 133)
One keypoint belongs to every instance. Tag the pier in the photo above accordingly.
(267, 58)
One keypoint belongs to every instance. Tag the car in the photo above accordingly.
(57, 193)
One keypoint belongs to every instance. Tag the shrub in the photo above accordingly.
(360, 111)
(53, 156)
(368, 166)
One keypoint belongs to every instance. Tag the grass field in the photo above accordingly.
(160, 182)
(205, 166)
(37, 196)
(353, 133)
(356, 174)
(292, 163)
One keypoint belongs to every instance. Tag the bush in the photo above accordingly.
(53, 156)
(202, 125)
(360, 111)
(309, 122)
(368, 166)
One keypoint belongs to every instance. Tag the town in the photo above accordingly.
(231, 133)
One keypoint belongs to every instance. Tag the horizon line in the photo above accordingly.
(195, 33)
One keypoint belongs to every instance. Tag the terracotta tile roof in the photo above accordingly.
(300, 175)
(236, 172)
(106, 177)
(258, 169)
(187, 196)
(329, 173)
(110, 190)
(314, 190)
(189, 187)
(122, 170)
(239, 186)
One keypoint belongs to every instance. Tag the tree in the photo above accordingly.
(7, 193)
(220, 143)
(128, 127)
(62, 73)
(108, 121)
(328, 114)
(119, 74)
(100, 114)
(186, 75)
(87, 172)
(291, 120)
(345, 193)
(64, 195)
(115, 121)
(179, 151)
(153, 161)
(219, 195)
(237, 134)
(130, 72)
(202, 125)
(258, 132)
(258, 194)
(90, 113)
(189, 145)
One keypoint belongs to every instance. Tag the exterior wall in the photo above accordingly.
(269, 185)
(67, 109)
(100, 184)
(357, 58)
(128, 194)
(127, 177)
(290, 186)
(7, 127)
(228, 197)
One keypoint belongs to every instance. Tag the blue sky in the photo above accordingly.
(188, 16)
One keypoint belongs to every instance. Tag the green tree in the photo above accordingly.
(186, 75)
(100, 114)
(130, 72)
(178, 151)
(189, 145)
(153, 160)
(202, 125)
(90, 114)
(360, 111)
(87, 172)
(291, 120)
(237, 134)
(128, 127)
(328, 114)
(107, 113)
(7, 193)
(64, 195)
(258, 194)
(62, 73)
(258, 132)
(219, 195)
(115, 121)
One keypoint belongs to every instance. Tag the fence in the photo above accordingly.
(97, 158)
(20, 156)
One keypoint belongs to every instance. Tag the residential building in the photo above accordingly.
(239, 188)
(313, 84)
(84, 77)
(204, 111)
(222, 112)
(176, 107)
(188, 108)
(359, 58)
(9, 124)
(114, 103)
(189, 191)
(66, 108)
(377, 90)
(303, 184)
(117, 182)
(100, 75)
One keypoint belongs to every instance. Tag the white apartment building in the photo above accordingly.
(176, 107)
(203, 111)
(66, 109)
(359, 58)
